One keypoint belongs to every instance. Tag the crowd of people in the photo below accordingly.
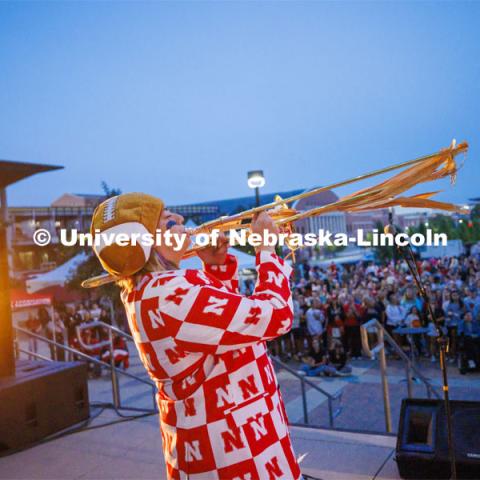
(330, 305)
(332, 302)
(77, 326)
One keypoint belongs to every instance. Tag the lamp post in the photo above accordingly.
(256, 180)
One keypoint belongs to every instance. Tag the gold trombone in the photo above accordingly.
(386, 194)
(383, 195)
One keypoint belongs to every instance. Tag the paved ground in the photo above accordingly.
(362, 407)
(132, 450)
(362, 399)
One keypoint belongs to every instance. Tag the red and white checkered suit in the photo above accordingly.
(221, 412)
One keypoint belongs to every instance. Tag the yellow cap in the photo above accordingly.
(129, 213)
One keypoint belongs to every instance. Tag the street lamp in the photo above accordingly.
(256, 180)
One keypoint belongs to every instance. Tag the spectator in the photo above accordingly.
(43, 318)
(395, 315)
(453, 313)
(439, 315)
(471, 301)
(55, 332)
(316, 363)
(371, 290)
(338, 358)
(95, 312)
(353, 343)
(33, 325)
(81, 311)
(120, 353)
(469, 338)
(413, 320)
(297, 331)
(316, 321)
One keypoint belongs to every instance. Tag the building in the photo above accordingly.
(199, 213)
(205, 211)
(67, 212)
(75, 211)
(413, 217)
(84, 200)
(365, 221)
(334, 222)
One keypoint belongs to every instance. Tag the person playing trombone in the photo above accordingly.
(203, 344)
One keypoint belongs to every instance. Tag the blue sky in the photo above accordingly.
(182, 99)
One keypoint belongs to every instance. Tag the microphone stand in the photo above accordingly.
(442, 341)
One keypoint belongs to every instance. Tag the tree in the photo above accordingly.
(91, 268)
(464, 228)
(475, 213)
(110, 192)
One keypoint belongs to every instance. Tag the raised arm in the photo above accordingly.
(205, 318)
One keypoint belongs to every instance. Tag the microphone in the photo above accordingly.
(390, 229)
(405, 250)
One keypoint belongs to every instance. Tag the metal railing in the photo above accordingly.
(304, 382)
(332, 414)
(114, 371)
(374, 326)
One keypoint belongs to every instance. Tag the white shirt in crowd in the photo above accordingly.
(395, 315)
(315, 321)
(372, 269)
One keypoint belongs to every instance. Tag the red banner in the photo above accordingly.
(20, 299)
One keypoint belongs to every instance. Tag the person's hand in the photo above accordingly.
(260, 223)
(215, 255)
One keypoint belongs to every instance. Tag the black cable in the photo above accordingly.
(117, 410)
(114, 422)
(383, 464)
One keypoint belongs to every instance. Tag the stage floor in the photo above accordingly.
(132, 450)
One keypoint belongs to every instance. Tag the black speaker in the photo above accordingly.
(41, 399)
(422, 442)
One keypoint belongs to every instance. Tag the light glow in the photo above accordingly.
(256, 179)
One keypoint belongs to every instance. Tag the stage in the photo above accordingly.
(132, 450)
